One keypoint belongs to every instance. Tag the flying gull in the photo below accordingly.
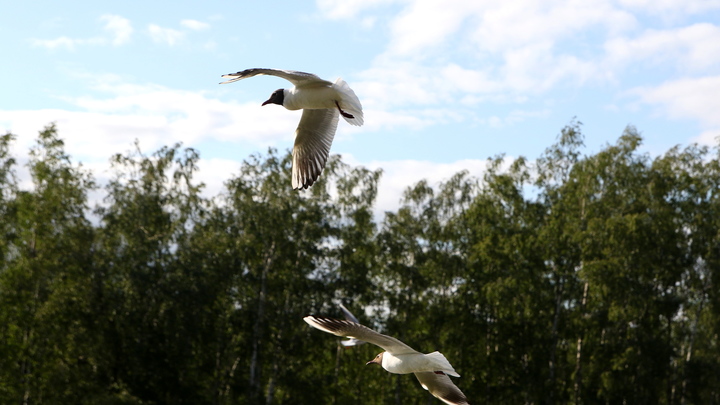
(322, 103)
(431, 370)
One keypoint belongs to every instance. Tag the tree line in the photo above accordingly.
(572, 279)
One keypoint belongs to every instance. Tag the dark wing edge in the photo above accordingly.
(441, 387)
(350, 317)
(339, 327)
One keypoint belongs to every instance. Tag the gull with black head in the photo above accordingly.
(322, 102)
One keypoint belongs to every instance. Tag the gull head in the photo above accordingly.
(376, 360)
(278, 97)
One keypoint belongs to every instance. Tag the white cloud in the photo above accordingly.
(210, 45)
(688, 98)
(195, 25)
(461, 79)
(490, 26)
(693, 48)
(398, 175)
(425, 24)
(457, 55)
(463, 53)
(368, 22)
(87, 134)
(155, 114)
(672, 6)
(338, 9)
(711, 138)
(215, 172)
(536, 69)
(521, 47)
(120, 29)
(192, 116)
(67, 43)
(516, 116)
(92, 137)
(411, 84)
(503, 26)
(168, 36)
(212, 172)
(413, 120)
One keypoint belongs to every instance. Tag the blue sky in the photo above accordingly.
(444, 84)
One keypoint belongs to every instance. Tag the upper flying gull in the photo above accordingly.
(322, 103)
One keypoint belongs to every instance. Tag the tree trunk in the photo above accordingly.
(554, 334)
(279, 356)
(255, 367)
(271, 384)
(398, 390)
(578, 356)
(688, 356)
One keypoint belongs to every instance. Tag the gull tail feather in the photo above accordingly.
(442, 364)
(350, 103)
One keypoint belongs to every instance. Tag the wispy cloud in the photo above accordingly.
(66, 42)
(195, 25)
(693, 48)
(687, 98)
(157, 114)
(456, 53)
(119, 29)
(167, 36)
(672, 7)
(398, 175)
(338, 9)
(505, 46)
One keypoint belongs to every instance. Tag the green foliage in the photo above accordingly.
(44, 279)
(572, 279)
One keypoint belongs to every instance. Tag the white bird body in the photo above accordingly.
(324, 97)
(314, 98)
(322, 103)
(417, 362)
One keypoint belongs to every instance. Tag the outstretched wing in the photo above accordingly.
(441, 387)
(313, 138)
(350, 317)
(296, 78)
(354, 330)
